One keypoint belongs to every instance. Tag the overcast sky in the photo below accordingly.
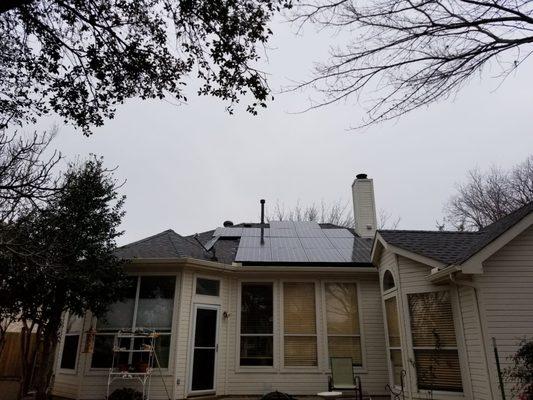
(191, 167)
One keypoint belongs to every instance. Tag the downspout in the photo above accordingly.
(484, 347)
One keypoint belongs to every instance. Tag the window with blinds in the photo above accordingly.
(299, 322)
(257, 324)
(434, 342)
(342, 316)
(393, 334)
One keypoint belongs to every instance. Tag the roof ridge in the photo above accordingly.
(166, 231)
(428, 231)
(507, 216)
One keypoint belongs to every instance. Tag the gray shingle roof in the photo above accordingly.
(453, 247)
(169, 244)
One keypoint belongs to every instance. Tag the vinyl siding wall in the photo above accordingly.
(506, 300)
(231, 379)
(411, 277)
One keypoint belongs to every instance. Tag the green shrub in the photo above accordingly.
(520, 373)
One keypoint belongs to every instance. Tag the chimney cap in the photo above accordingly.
(361, 176)
(227, 223)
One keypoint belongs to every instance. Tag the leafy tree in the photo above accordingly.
(520, 372)
(81, 58)
(488, 196)
(68, 262)
(404, 54)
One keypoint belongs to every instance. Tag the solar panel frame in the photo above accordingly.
(316, 243)
(280, 254)
(274, 232)
(254, 241)
(342, 243)
(324, 255)
(285, 243)
(254, 254)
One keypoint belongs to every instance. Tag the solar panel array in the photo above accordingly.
(293, 242)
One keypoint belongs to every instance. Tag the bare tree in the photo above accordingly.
(338, 213)
(386, 220)
(405, 54)
(488, 196)
(26, 172)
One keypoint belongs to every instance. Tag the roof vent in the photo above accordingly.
(361, 176)
(227, 223)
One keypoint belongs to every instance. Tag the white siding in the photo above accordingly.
(413, 279)
(241, 381)
(506, 296)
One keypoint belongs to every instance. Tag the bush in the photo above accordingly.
(125, 394)
(520, 373)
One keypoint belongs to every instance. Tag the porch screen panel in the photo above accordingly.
(393, 333)
(434, 341)
(299, 321)
(343, 326)
(257, 324)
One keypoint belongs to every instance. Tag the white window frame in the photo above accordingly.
(71, 371)
(357, 368)
(275, 328)
(290, 368)
(207, 298)
(168, 369)
(412, 348)
(393, 294)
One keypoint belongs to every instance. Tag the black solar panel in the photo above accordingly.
(296, 242)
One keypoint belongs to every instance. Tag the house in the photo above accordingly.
(251, 308)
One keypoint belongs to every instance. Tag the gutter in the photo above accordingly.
(137, 263)
(442, 275)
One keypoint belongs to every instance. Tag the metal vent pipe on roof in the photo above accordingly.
(262, 201)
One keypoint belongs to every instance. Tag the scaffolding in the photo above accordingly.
(133, 359)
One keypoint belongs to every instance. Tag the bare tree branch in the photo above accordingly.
(409, 53)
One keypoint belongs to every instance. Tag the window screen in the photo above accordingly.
(342, 314)
(299, 317)
(257, 324)
(434, 342)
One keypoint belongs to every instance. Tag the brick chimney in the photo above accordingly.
(364, 206)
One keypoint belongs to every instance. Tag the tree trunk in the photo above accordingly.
(43, 378)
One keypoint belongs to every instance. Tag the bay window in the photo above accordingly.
(342, 317)
(257, 324)
(299, 324)
(148, 305)
(434, 341)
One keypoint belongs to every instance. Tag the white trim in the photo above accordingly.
(64, 334)
(363, 367)
(196, 307)
(296, 368)
(275, 345)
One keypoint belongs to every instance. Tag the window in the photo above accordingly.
(434, 342)
(342, 315)
(257, 324)
(71, 342)
(151, 299)
(388, 281)
(393, 333)
(299, 317)
(208, 287)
